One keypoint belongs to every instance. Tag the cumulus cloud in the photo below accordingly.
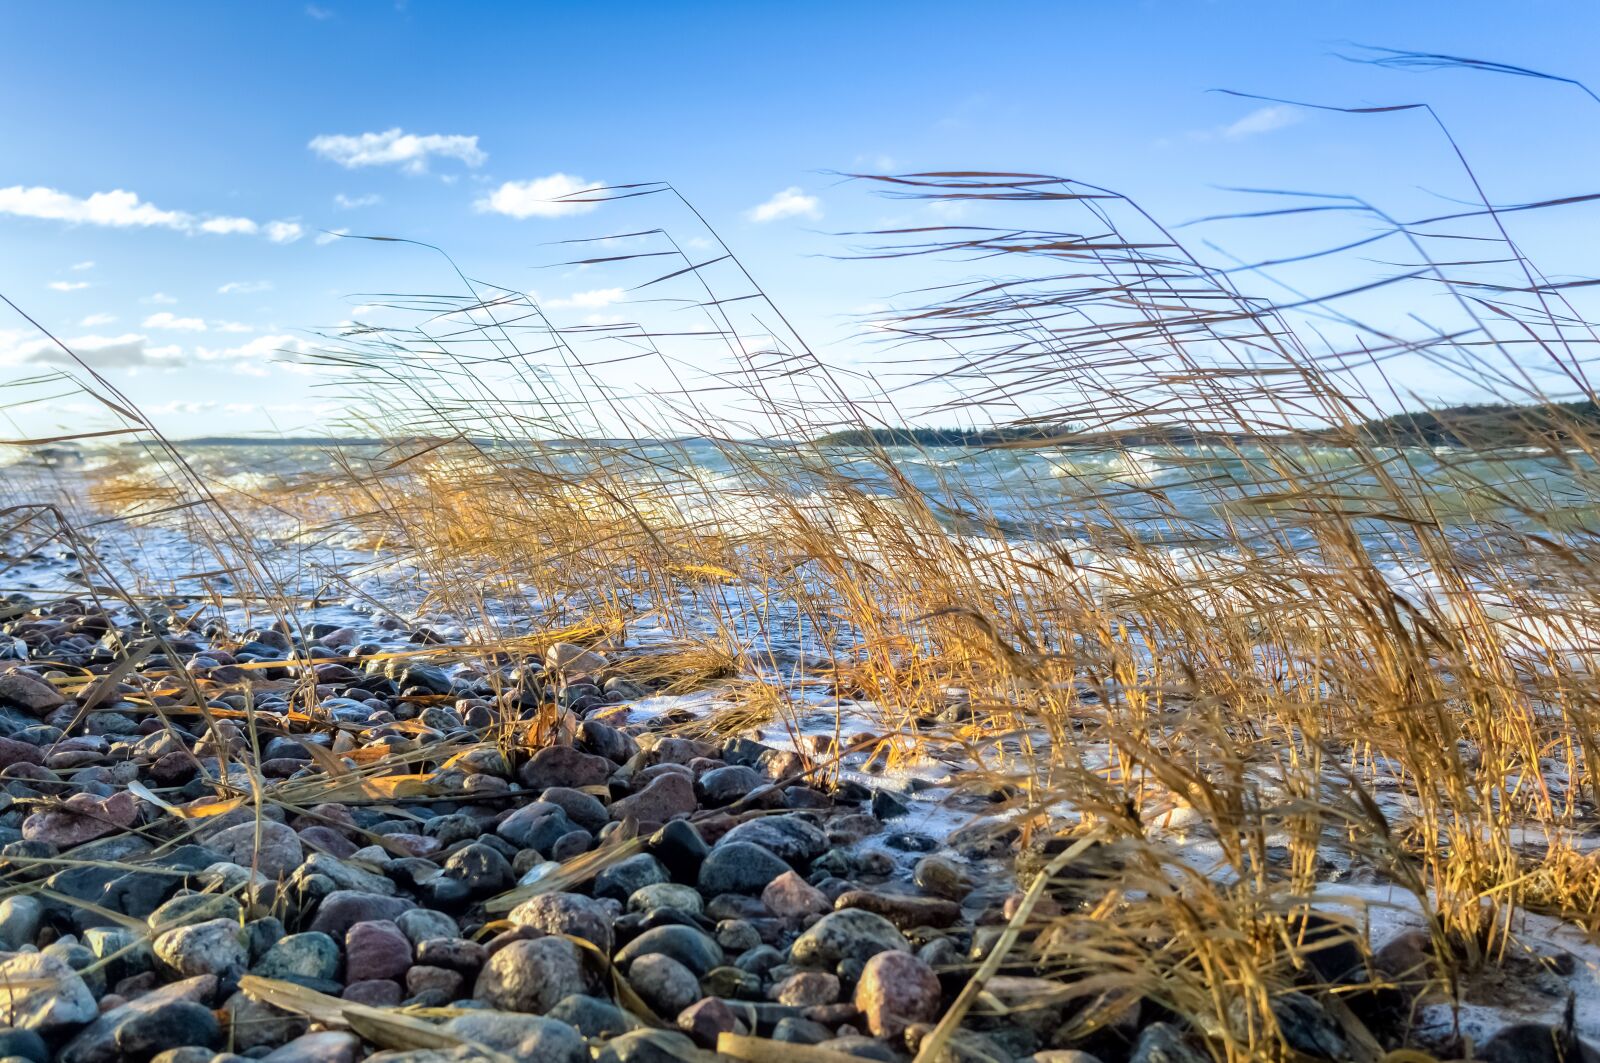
(160, 299)
(81, 266)
(118, 208)
(284, 232)
(232, 326)
(792, 202)
(166, 320)
(277, 348)
(244, 287)
(95, 320)
(395, 147)
(541, 197)
(128, 351)
(345, 202)
(227, 226)
(121, 209)
(68, 286)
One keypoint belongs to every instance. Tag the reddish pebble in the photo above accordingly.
(376, 948)
(793, 897)
(806, 988)
(422, 978)
(328, 840)
(706, 1019)
(895, 990)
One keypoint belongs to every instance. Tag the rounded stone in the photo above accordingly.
(895, 990)
(690, 947)
(254, 1023)
(175, 1025)
(531, 975)
(306, 958)
(663, 983)
(215, 947)
(623, 878)
(849, 934)
(942, 878)
(43, 994)
(666, 895)
(567, 913)
(807, 989)
(583, 809)
(792, 897)
(666, 797)
(739, 867)
(530, 1037)
(377, 949)
(275, 854)
(422, 924)
(591, 1016)
(792, 836)
(20, 918)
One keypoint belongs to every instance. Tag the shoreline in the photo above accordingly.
(394, 814)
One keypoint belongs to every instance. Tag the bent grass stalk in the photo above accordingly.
(1222, 651)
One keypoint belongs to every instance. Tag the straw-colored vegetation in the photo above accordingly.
(1222, 653)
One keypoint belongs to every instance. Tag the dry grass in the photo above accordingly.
(1223, 646)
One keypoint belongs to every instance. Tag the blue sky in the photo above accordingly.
(169, 170)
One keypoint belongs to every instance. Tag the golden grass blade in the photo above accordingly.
(384, 1027)
(201, 809)
(333, 766)
(933, 1044)
(763, 1050)
(574, 872)
(624, 990)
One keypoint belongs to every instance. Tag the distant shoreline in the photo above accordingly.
(1471, 425)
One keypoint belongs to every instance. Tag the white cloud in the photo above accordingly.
(232, 326)
(250, 369)
(284, 232)
(591, 300)
(226, 226)
(160, 299)
(260, 349)
(244, 287)
(94, 320)
(127, 351)
(122, 209)
(330, 236)
(321, 14)
(68, 286)
(394, 147)
(1264, 120)
(792, 202)
(118, 208)
(81, 266)
(1259, 121)
(167, 320)
(542, 197)
(356, 202)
